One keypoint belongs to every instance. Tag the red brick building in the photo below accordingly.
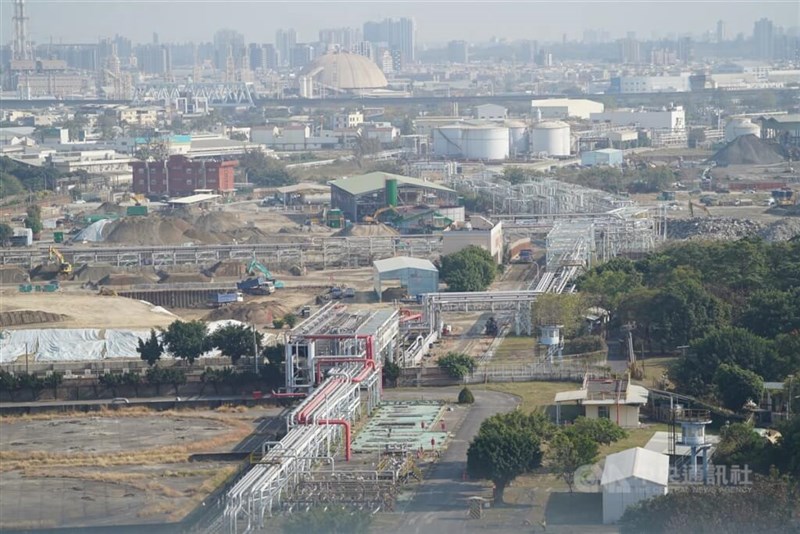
(180, 175)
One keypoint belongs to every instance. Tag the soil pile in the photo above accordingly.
(226, 269)
(259, 313)
(109, 207)
(782, 230)
(207, 228)
(716, 228)
(124, 279)
(92, 273)
(23, 317)
(366, 230)
(748, 150)
(183, 278)
(11, 274)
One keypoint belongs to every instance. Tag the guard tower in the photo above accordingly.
(693, 435)
(550, 337)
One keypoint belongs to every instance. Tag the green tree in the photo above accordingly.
(771, 312)
(9, 383)
(274, 372)
(33, 219)
(175, 377)
(235, 341)
(132, 379)
(112, 381)
(107, 125)
(150, 350)
(290, 319)
(564, 309)
(470, 269)
(156, 376)
(514, 175)
(263, 170)
(186, 340)
(53, 380)
(568, 451)
(736, 386)
(465, 396)
(504, 449)
(741, 445)
(609, 286)
(329, 520)
(390, 372)
(787, 452)
(457, 365)
(787, 359)
(602, 431)
(6, 232)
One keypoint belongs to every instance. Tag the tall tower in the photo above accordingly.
(21, 46)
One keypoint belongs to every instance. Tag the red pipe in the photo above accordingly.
(316, 400)
(346, 433)
(369, 367)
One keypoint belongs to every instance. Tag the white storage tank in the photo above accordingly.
(740, 126)
(485, 142)
(551, 138)
(517, 137)
(447, 141)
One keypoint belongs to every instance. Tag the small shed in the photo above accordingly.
(631, 476)
(416, 275)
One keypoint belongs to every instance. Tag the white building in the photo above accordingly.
(564, 108)
(478, 232)
(671, 119)
(654, 84)
(632, 476)
(347, 120)
(491, 112)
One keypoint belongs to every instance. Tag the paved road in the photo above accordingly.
(439, 505)
(189, 400)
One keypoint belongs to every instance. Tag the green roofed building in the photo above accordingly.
(362, 196)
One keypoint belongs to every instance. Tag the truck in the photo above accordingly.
(526, 255)
(491, 327)
(256, 286)
(223, 299)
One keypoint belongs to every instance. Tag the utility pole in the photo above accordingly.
(255, 349)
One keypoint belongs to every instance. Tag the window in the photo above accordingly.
(603, 412)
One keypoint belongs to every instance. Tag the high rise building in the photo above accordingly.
(345, 38)
(629, 50)
(363, 48)
(301, 55)
(154, 59)
(285, 41)
(764, 38)
(226, 41)
(458, 52)
(399, 34)
(721, 32)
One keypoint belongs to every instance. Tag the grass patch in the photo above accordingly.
(637, 437)
(515, 349)
(533, 395)
(654, 369)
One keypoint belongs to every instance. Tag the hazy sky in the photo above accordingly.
(437, 21)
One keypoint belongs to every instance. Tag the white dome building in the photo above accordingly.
(343, 72)
(738, 127)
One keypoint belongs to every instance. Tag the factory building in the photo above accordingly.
(672, 119)
(650, 84)
(491, 112)
(472, 140)
(565, 108)
(362, 196)
(477, 232)
(180, 175)
(417, 276)
(603, 156)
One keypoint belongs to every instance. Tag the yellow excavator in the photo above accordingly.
(692, 206)
(64, 267)
(374, 218)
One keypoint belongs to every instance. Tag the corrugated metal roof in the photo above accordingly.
(403, 262)
(637, 463)
(194, 199)
(373, 181)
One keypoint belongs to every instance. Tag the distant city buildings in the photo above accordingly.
(285, 41)
(458, 52)
(397, 34)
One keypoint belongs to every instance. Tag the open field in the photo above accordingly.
(130, 466)
(515, 349)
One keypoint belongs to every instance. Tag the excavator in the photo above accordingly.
(374, 218)
(256, 268)
(692, 206)
(64, 267)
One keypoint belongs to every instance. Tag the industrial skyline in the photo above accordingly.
(437, 22)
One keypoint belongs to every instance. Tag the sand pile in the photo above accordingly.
(147, 231)
(11, 274)
(226, 269)
(748, 150)
(109, 207)
(259, 313)
(183, 278)
(124, 279)
(366, 230)
(92, 273)
(23, 317)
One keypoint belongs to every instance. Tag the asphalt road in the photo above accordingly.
(439, 506)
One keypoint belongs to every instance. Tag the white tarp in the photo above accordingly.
(123, 343)
(94, 232)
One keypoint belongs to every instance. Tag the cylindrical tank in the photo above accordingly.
(551, 138)
(391, 192)
(740, 126)
(447, 141)
(517, 137)
(485, 142)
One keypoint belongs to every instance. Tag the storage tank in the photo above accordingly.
(485, 142)
(740, 126)
(551, 138)
(517, 137)
(391, 192)
(447, 141)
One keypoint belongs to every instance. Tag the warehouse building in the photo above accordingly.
(417, 276)
(565, 108)
(632, 476)
(603, 156)
(477, 232)
(365, 195)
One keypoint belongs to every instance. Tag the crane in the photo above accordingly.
(64, 267)
(374, 218)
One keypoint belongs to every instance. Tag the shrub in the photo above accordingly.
(583, 344)
(457, 365)
(465, 396)
(278, 323)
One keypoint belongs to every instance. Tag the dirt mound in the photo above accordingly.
(366, 230)
(217, 222)
(259, 313)
(92, 273)
(23, 317)
(782, 230)
(109, 207)
(144, 231)
(11, 274)
(226, 269)
(748, 150)
(183, 278)
(124, 279)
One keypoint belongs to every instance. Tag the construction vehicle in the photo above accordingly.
(256, 268)
(491, 328)
(256, 286)
(64, 267)
(783, 196)
(223, 299)
(374, 218)
(692, 206)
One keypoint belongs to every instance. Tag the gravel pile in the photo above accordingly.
(782, 230)
(718, 228)
(748, 150)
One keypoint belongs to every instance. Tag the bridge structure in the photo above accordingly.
(216, 94)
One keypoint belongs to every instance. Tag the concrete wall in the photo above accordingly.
(618, 496)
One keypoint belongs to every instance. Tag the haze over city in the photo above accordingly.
(437, 22)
